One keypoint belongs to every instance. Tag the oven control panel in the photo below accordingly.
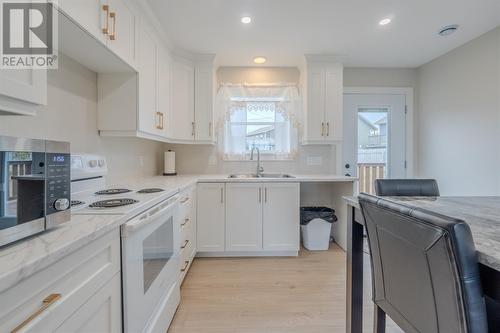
(58, 177)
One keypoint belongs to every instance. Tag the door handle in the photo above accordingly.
(328, 129)
(46, 303)
(260, 195)
(221, 195)
(322, 129)
(265, 194)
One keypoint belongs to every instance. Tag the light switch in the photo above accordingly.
(314, 160)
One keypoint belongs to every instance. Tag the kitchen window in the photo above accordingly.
(261, 117)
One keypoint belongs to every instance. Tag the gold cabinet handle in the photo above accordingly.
(260, 195)
(186, 264)
(113, 16)
(48, 301)
(192, 129)
(161, 120)
(221, 195)
(158, 120)
(186, 221)
(186, 242)
(327, 128)
(210, 129)
(265, 194)
(184, 200)
(105, 30)
(322, 129)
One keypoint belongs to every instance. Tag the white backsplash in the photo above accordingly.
(194, 159)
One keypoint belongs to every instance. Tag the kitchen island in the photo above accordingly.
(481, 213)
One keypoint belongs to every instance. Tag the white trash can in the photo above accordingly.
(316, 226)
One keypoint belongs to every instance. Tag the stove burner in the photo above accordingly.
(75, 203)
(112, 203)
(150, 190)
(113, 191)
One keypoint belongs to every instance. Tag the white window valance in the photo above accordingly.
(267, 117)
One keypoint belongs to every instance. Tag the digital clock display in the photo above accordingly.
(58, 158)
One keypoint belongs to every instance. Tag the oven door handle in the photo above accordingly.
(146, 218)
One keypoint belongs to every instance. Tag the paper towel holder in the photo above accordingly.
(169, 171)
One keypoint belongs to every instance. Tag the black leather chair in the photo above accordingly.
(425, 270)
(406, 187)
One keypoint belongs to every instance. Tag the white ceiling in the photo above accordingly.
(285, 30)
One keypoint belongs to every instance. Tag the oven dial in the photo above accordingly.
(61, 204)
(93, 163)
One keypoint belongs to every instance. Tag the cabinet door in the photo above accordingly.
(281, 216)
(182, 102)
(122, 25)
(163, 91)
(101, 313)
(210, 217)
(25, 85)
(244, 217)
(90, 15)
(203, 110)
(316, 105)
(148, 117)
(334, 102)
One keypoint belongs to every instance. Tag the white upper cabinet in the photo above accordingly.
(122, 28)
(193, 100)
(91, 15)
(149, 120)
(183, 102)
(204, 101)
(21, 90)
(112, 22)
(163, 88)
(323, 84)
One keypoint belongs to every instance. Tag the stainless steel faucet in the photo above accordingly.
(260, 169)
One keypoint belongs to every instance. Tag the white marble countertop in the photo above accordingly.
(482, 214)
(24, 258)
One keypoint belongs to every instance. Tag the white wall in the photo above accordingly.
(459, 118)
(71, 115)
(380, 77)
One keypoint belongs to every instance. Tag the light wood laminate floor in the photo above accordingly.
(304, 294)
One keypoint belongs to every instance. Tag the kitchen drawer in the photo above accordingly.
(187, 225)
(65, 285)
(186, 203)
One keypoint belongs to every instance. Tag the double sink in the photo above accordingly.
(262, 175)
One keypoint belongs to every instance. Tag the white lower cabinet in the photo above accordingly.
(249, 219)
(210, 214)
(281, 215)
(101, 313)
(81, 292)
(187, 216)
(244, 217)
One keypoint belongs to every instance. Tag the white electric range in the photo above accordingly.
(150, 241)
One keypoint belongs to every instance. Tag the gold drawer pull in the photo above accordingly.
(186, 221)
(105, 30)
(186, 242)
(183, 201)
(186, 264)
(113, 35)
(48, 301)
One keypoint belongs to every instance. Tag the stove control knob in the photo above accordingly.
(61, 204)
(101, 163)
(93, 163)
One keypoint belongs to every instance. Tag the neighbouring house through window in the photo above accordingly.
(267, 118)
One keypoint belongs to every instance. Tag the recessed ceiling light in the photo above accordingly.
(385, 21)
(259, 60)
(448, 30)
(246, 19)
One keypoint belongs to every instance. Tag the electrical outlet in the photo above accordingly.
(212, 160)
(314, 160)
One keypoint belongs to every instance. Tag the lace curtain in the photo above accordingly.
(267, 117)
